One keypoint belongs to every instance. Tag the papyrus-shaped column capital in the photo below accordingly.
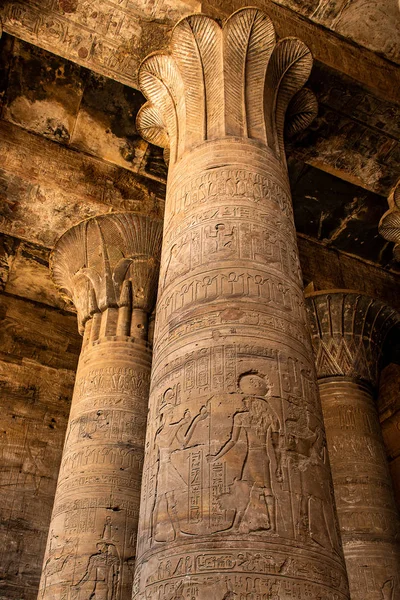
(109, 261)
(389, 226)
(231, 81)
(348, 333)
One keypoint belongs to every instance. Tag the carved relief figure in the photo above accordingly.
(352, 493)
(177, 262)
(388, 589)
(308, 452)
(170, 437)
(255, 422)
(58, 559)
(223, 238)
(102, 575)
(178, 593)
(107, 534)
(34, 466)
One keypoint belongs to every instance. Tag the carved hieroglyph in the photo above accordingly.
(348, 333)
(108, 266)
(236, 493)
(107, 36)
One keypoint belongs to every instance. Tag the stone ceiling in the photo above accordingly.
(68, 105)
(373, 24)
(112, 36)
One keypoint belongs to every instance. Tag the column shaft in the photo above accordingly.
(92, 542)
(389, 416)
(108, 266)
(368, 516)
(349, 332)
(236, 497)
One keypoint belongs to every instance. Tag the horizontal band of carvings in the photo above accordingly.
(255, 285)
(246, 215)
(114, 425)
(236, 320)
(109, 263)
(348, 332)
(106, 481)
(264, 569)
(235, 80)
(228, 179)
(234, 241)
(91, 501)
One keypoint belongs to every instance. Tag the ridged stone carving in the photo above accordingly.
(100, 259)
(348, 333)
(231, 81)
(237, 493)
(389, 227)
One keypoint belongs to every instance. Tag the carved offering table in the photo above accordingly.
(237, 493)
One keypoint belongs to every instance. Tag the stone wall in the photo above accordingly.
(39, 351)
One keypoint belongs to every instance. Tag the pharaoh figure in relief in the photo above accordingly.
(236, 492)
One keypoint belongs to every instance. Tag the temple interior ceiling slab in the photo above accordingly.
(373, 24)
(111, 37)
(72, 150)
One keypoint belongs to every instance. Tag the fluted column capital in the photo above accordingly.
(389, 226)
(108, 261)
(348, 331)
(235, 80)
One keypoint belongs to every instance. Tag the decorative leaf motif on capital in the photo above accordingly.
(389, 227)
(235, 80)
(109, 261)
(348, 332)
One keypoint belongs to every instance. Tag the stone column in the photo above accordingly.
(236, 495)
(108, 266)
(348, 333)
(389, 416)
